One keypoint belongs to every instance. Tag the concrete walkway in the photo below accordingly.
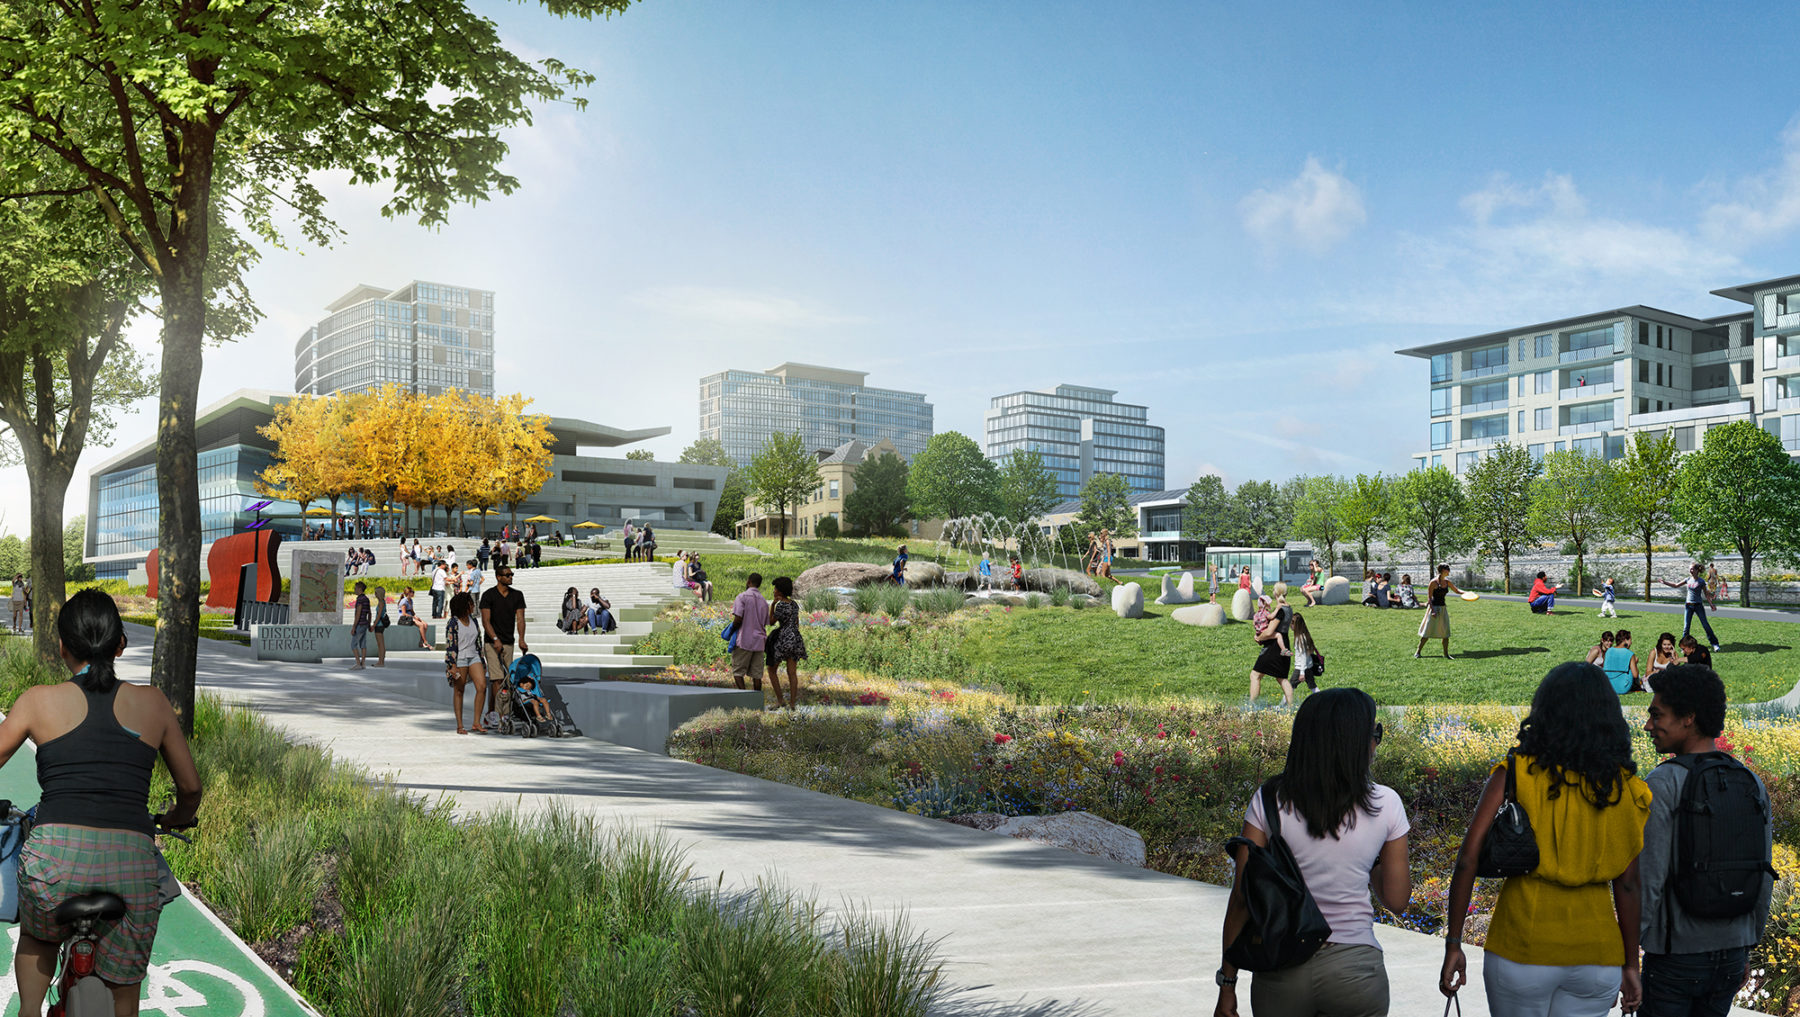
(1027, 930)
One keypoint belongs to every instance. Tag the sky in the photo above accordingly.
(1232, 214)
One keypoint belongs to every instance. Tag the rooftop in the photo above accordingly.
(1744, 292)
(1634, 311)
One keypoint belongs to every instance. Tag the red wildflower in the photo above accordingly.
(1002, 739)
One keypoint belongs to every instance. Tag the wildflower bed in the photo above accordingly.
(1177, 771)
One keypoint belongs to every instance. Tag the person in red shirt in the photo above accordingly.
(1543, 596)
(1018, 574)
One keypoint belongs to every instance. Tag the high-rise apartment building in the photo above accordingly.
(1079, 432)
(1591, 381)
(741, 409)
(425, 337)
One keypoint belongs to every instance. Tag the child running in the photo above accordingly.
(1607, 597)
(1308, 661)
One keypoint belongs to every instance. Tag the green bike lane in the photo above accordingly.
(198, 968)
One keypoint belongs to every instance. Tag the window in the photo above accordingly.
(1524, 348)
(834, 489)
(1521, 386)
(1440, 402)
(1592, 446)
(1684, 439)
(1615, 446)
(1465, 461)
(1543, 381)
(1437, 462)
(1545, 418)
(1441, 367)
(1643, 405)
(1643, 333)
(1488, 392)
(1485, 427)
(1440, 434)
(1491, 359)
(1744, 375)
(1558, 447)
(1537, 452)
(1521, 421)
(1644, 371)
(1588, 413)
(1659, 337)
(1659, 373)
(1592, 338)
(1546, 345)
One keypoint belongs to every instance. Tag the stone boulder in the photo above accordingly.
(1128, 600)
(1081, 832)
(839, 573)
(1243, 605)
(1046, 580)
(1182, 593)
(1206, 616)
(1337, 591)
(921, 573)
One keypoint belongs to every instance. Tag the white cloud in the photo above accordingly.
(1315, 211)
(1767, 204)
(740, 307)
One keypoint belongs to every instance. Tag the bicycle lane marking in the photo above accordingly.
(198, 967)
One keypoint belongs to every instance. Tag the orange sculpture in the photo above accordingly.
(225, 561)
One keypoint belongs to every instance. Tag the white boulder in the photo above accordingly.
(1243, 605)
(1206, 616)
(1128, 600)
(1337, 591)
(1081, 832)
(1178, 594)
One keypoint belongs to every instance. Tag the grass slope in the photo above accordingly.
(1501, 652)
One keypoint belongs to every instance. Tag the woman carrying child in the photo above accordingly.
(785, 642)
(462, 659)
(1276, 660)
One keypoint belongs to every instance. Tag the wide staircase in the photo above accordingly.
(638, 593)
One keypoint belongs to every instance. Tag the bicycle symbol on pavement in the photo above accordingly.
(177, 988)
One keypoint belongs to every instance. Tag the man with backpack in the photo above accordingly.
(1705, 869)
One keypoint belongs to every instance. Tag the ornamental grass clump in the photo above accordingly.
(820, 600)
(893, 600)
(1059, 595)
(937, 602)
(867, 599)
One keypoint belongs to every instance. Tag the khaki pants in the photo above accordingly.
(1338, 981)
(498, 657)
(747, 663)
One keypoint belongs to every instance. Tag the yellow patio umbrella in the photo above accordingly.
(477, 512)
(543, 519)
(320, 511)
(589, 525)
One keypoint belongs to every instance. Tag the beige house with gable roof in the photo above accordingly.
(837, 469)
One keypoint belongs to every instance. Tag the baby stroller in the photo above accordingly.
(514, 699)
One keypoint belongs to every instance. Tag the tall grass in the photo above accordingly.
(894, 599)
(866, 599)
(820, 600)
(937, 602)
(1059, 596)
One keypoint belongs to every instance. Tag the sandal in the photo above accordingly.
(462, 730)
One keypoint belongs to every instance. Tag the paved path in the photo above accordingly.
(197, 967)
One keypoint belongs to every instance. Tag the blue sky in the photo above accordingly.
(1232, 214)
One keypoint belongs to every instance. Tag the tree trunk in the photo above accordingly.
(1648, 555)
(781, 511)
(178, 478)
(1749, 555)
(1506, 569)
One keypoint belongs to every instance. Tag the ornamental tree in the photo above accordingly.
(951, 478)
(1027, 489)
(1317, 513)
(1568, 502)
(782, 474)
(1740, 491)
(877, 503)
(1429, 513)
(1642, 503)
(1206, 515)
(1363, 510)
(1499, 489)
(170, 114)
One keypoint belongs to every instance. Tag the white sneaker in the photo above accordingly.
(1716, 647)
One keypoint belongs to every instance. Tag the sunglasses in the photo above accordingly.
(1378, 732)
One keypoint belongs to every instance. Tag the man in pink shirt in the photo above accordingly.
(750, 613)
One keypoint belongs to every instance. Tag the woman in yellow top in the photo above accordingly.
(1559, 944)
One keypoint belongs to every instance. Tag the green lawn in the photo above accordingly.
(1501, 651)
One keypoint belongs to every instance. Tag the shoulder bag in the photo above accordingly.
(1511, 847)
(1284, 926)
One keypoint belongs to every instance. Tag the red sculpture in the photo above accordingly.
(225, 561)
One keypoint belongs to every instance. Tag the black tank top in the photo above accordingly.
(1437, 595)
(98, 774)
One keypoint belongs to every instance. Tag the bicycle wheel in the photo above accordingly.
(88, 997)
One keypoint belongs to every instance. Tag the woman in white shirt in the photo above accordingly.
(1348, 836)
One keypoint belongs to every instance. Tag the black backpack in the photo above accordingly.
(1285, 926)
(1719, 853)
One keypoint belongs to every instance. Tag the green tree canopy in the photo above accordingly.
(1363, 510)
(951, 478)
(1106, 505)
(707, 452)
(1568, 502)
(641, 455)
(782, 475)
(1642, 502)
(1499, 488)
(1741, 492)
(74, 542)
(1429, 513)
(1257, 516)
(1207, 514)
(1318, 514)
(171, 112)
(731, 504)
(877, 505)
(1027, 489)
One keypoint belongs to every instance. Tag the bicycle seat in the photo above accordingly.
(103, 907)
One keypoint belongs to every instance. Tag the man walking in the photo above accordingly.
(1695, 602)
(750, 613)
(439, 576)
(1704, 872)
(503, 616)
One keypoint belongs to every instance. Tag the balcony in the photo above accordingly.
(1590, 353)
(1716, 394)
(1487, 407)
(1591, 427)
(1161, 535)
(1589, 391)
(1483, 372)
(1724, 356)
(1789, 403)
(1472, 443)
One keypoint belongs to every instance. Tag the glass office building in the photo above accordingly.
(425, 337)
(1079, 432)
(741, 409)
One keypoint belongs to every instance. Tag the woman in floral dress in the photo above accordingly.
(784, 642)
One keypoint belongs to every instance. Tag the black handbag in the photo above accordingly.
(1511, 847)
(1284, 926)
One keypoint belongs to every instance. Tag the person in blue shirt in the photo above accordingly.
(1620, 664)
(1608, 600)
(987, 572)
(899, 573)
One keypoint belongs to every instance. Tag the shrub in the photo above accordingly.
(893, 599)
(820, 600)
(937, 602)
(1036, 600)
(1059, 596)
(867, 599)
(269, 883)
(826, 529)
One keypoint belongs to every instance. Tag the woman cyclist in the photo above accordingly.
(98, 739)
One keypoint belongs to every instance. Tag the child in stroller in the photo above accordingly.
(521, 706)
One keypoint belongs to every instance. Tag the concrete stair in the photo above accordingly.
(638, 592)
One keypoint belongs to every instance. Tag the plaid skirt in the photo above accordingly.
(59, 862)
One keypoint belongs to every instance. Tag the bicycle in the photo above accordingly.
(75, 990)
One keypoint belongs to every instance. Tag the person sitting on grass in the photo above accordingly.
(1693, 653)
(1597, 655)
(1408, 599)
(1542, 597)
(531, 699)
(1621, 665)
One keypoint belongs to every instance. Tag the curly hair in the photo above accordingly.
(1576, 733)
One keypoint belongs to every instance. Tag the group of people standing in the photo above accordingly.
(1609, 866)
(755, 647)
(640, 545)
(1286, 652)
(1099, 558)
